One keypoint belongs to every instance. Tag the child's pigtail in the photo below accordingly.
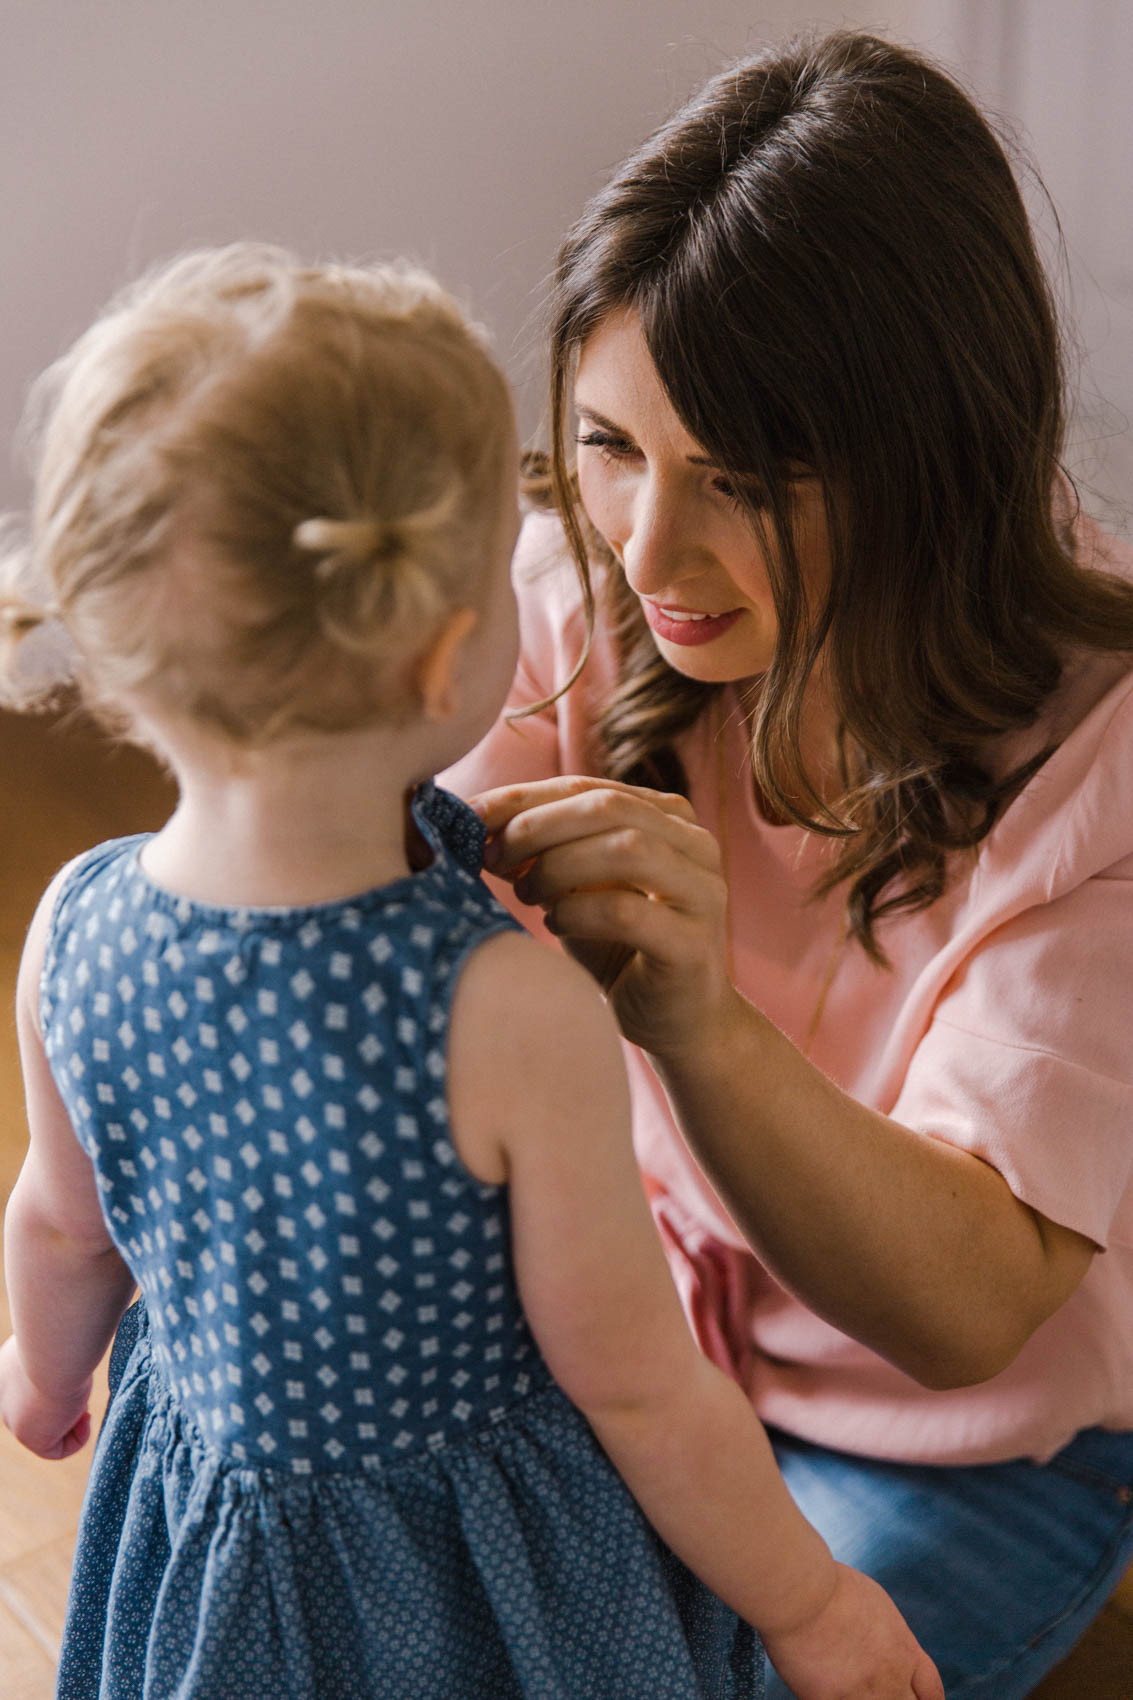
(24, 682)
(377, 581)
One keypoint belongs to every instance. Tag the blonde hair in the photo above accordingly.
(260, 486)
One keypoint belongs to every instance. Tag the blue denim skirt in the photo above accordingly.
(998, 1568)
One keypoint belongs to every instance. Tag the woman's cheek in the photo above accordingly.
(597, 486)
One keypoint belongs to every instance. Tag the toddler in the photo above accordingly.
(413, 1411)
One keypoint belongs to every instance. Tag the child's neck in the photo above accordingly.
(309, 820)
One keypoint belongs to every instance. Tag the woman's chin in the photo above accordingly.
(715, 663)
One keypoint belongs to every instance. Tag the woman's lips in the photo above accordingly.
(685, 625)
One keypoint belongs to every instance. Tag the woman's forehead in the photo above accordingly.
(617, 385)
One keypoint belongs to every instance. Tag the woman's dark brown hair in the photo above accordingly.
(832, 265)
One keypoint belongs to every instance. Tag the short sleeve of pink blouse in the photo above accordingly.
(1002, 1025)
(1028, 1057)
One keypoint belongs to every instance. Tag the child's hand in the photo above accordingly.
(47, 1424)
(858, 1647)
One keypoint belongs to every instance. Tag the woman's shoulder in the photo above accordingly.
(1099, 550)
(1090, 727)
(1085, 730)
(542, 547)
(543, 569)
(1097, 754)
(1073, 820)
(553, 617)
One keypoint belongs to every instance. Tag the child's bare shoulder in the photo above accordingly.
(529, 1034)
(518, 998)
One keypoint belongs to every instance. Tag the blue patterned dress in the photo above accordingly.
(335, 1466)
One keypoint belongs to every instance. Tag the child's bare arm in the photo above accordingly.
(539, 1098)
(67, 1284)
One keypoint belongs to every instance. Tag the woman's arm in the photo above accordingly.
(915, 1248)
(539, 1099)
(66, 1283)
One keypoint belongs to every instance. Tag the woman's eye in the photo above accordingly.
(725, 488)
(752, 497)
(617, 448)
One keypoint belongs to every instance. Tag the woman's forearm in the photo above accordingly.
(66, 1295)
(913, 1247)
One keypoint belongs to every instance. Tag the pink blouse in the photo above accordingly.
(1004, 1026)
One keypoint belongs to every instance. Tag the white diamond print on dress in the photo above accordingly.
(408, 1303)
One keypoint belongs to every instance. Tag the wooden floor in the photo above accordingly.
(63, 789)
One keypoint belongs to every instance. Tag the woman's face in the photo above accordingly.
(687, 548)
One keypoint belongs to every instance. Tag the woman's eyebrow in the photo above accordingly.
(598, 418)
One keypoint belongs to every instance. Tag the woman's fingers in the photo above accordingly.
(636, 921)
(506, 811)
(676, 869)
(633, 886)
(527, 821)
(498, 805)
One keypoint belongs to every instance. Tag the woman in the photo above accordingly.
(840, 811)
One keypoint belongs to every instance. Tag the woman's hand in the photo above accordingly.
(51, 1425)
(858, 1647)
(633, 886)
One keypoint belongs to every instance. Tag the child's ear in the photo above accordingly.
(437, 667)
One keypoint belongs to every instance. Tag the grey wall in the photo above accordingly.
(466, 134)
(1061, 78)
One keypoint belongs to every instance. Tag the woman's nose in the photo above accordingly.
(660, 544)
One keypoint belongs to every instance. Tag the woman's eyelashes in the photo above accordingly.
(610, 446)
(742, 495)
(725, 488)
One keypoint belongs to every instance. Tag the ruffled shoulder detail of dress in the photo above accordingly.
(448, 823)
